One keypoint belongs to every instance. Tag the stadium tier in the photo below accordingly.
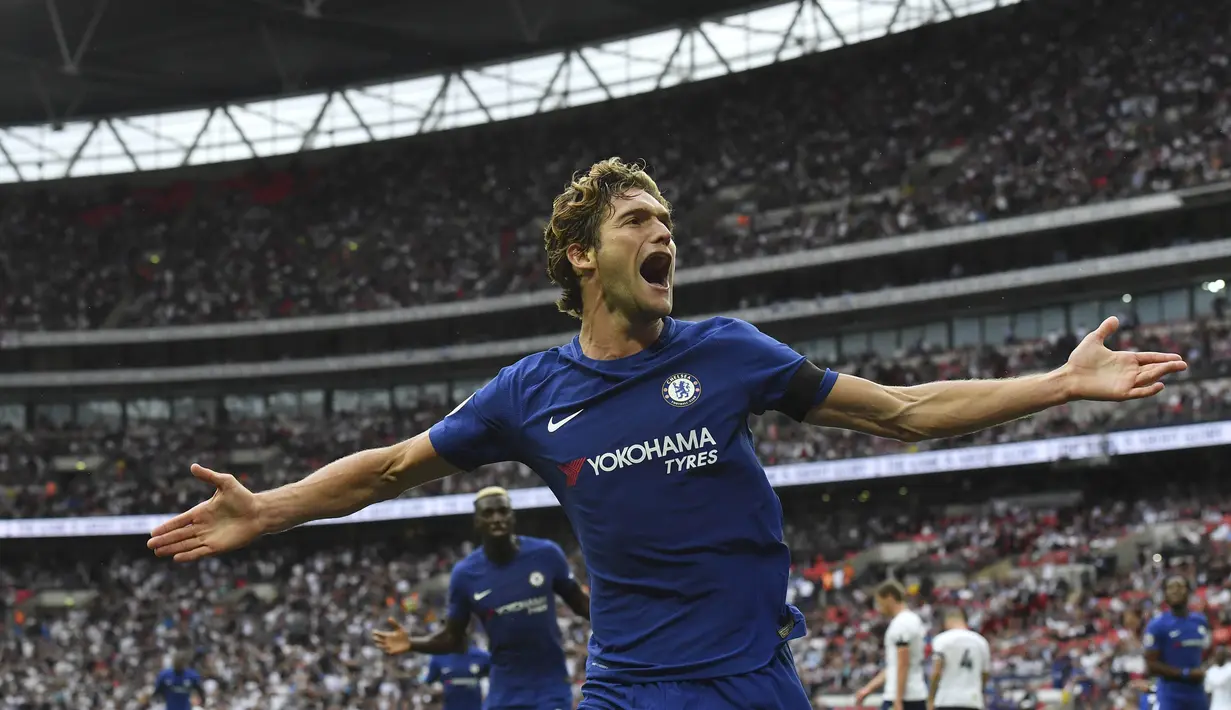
(88, 623)
(1037, 108)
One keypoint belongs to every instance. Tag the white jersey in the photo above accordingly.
(967, 657)
(1218, 685)
(905, 631)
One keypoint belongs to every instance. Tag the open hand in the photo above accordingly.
(229, 520)
(1096, 373)
(392, 642)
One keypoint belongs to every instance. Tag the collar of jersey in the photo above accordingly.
(622, 364)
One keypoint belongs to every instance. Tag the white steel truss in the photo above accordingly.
(468, 96)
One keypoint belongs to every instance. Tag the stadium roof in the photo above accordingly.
(340, 67)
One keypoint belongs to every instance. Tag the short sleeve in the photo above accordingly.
(459, 596)
(907, 633)
(562, 579)
(1150, 640)
(938, 645)
(987, 654)
(480, 430)
(159, 683)
(780, 378)
(431, 673)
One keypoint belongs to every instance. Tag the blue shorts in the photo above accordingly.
(775, 686)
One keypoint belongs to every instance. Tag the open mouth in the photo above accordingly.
(656, 269)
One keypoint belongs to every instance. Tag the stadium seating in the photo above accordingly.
(1052, 107)
(287, 623)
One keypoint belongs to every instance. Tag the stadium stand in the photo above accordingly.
(1039, 120)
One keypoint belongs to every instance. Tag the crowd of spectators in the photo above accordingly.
(1044, 107)
(286, 625)
(71, 470)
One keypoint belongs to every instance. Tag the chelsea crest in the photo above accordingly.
(681, 390)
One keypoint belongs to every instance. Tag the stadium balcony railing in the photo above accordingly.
(1015, 227)
(1173, 261)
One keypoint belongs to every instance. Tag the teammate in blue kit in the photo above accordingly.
(1175, 644)
(510, 584)
(176, 685)
(639, 426)
(461, 675)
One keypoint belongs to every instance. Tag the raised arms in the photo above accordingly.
(944, 409)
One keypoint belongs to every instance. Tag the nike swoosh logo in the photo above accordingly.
(553, 425)
(478, 596)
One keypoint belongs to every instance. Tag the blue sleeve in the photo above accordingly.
(459, 596)
(433, 672)
(481, 430)
(768, 367)
(562, 579)
(485, 662)
(1152, 640)
(160, 683)
(196, 683)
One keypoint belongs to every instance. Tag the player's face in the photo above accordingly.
(636, 258)
(884, 606)
(493, 517)
(1176, 592)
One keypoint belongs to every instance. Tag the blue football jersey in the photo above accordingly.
(1181, 642)
(516, 603)
(460, 674)
(1148, 699)
(653, 461)
(176, 688)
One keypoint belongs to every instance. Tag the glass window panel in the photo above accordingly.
(1203, 301)
(12, 416)
(1084, 316)
(966, 331)
(996, 329)
(191, 409)
(312, 403)
(54, 414)
(824, 350)
(885, 342)
(1027, 325)
(108, 413)
(345, 401)
(1053, 320)
(853, 344)
(148, 410)
(406, 397)
(379, 400)
(435, 393)
(936, 335)
(284, 403)
(1176, 306)
(911, 336)
(248, 406)
(1149, 308)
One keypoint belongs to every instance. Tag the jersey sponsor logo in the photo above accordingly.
(553, 426)
(571, 470)
(533, 605)
(681, 389)
(679, 450)
(536, 579)
(478, 596)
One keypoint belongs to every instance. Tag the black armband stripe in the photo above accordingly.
(801, 391)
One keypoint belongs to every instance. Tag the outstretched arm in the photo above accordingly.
(233, 517)
(944, 409)
(449, 639)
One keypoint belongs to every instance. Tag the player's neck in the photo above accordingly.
(607, 335)
(1180, 609)
(501, 550)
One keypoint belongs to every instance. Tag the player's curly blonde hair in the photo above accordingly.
(577, 214)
